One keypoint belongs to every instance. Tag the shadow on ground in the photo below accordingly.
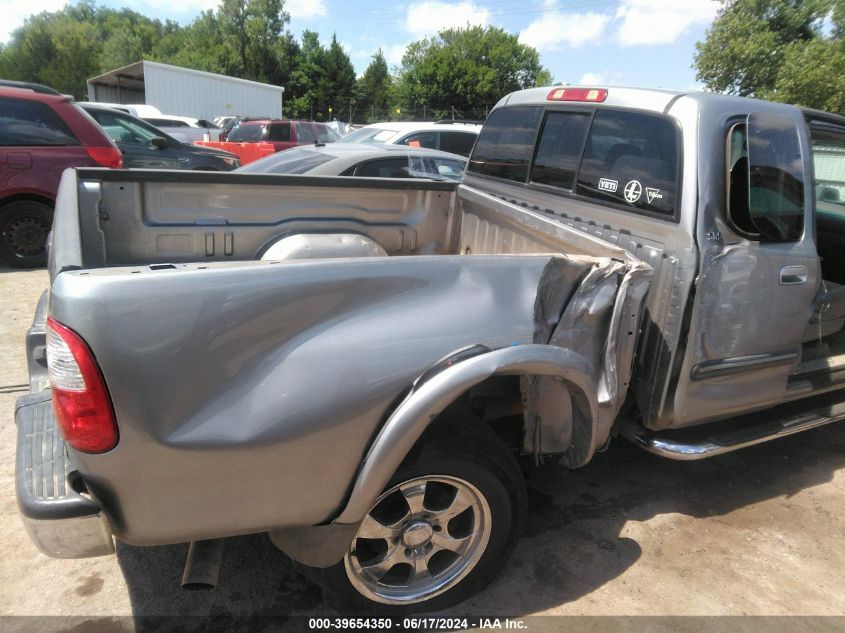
(583, 511)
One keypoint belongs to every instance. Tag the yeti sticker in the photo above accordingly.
(606, 184)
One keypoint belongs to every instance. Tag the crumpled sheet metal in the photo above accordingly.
(591, 307)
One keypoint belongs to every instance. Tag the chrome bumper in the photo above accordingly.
(61, 522)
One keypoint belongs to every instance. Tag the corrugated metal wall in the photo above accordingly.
(186, 93)
(113, 94)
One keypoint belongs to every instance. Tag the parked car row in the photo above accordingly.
(456, 137)
(42, 133)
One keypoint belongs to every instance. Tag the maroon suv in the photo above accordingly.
(282, 133)
(41, 134)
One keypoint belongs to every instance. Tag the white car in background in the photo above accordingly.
(362, 160)
(184, 128)
(138, 110)
(455, 137)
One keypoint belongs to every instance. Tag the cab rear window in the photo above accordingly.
(631, 158)
(506, 143)
(246, 133)
(626, 158)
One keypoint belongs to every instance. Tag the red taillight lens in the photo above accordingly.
(592, 95)
(81, 401)
(106, 156)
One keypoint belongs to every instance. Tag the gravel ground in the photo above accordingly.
(757, 532)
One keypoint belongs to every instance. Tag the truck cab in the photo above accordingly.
(735, 205)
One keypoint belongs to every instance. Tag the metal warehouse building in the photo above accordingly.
(186, 92)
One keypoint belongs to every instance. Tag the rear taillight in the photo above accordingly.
(106, 156)
(81, 401)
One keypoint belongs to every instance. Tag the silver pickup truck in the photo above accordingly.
(354, 366)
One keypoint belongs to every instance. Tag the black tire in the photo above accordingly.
(470, 452)
(24, 225)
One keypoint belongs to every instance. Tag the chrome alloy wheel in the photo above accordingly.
(420, 539)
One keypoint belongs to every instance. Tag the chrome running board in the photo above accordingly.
(740, 433)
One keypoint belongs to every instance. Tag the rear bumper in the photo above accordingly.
(61, 522)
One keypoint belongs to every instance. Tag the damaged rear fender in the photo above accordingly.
(414, 414)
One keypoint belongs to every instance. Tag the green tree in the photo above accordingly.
(813, 75)
(54, 50)
(338, 82)
(746, 47)
(200, 46)
(373, 89)
(469, 68)
(265, 26)
(122, 47)
(307, 78)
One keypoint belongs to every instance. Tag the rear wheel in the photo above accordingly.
(24, 226)
(445, 523)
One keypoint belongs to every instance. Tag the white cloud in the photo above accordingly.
(431, 16)
(14, 13)
(555, 29)
(591, 79)
(660, 21)
(305, 9)
(393, 53)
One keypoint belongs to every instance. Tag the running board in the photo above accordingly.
(703, 442)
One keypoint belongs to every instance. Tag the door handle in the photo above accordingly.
(793, 275)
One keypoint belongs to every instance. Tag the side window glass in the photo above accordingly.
(246, 133)
(559, 148)
(304, 134)
(31, 123)
(384, 168)
(446, 168)
(829, 168)
(631, 159)
(776, 177)
(421, 139)
(327, 134)
(420, 167)
(457, 142)
(506, 143)
(739, 215)
(279, 132)
(123, 129)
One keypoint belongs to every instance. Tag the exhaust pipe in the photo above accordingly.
(202, 566)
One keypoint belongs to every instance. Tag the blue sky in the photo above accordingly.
(647, 43)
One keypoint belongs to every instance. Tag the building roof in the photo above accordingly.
(132, 76)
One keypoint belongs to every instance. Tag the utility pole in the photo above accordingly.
(453, 113)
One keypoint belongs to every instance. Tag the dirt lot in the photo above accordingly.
(757, 532)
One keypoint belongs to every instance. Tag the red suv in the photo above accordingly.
(282, 133)
(42, 133)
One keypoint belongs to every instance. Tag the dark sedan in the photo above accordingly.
(145, 146)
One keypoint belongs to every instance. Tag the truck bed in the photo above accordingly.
(120, 218)
(250, 391)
